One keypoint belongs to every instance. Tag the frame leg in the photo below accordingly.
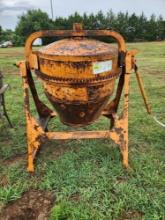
(33, 129)
(121, 136)
(124, 151)
(5, 112)
(124, 144)
(35, 136)
(30, 167)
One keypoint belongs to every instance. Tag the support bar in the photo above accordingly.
(80, 135)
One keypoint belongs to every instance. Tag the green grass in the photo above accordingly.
(87, 177)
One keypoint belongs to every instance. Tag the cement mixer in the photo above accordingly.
(78, 74)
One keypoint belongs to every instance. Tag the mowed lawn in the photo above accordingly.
(86, 176)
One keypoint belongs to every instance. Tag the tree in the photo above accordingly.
(33, 20)
(151, 29)
(121, 24)
(0, 33)
(132, 27)
(111, 20)
(160, 28)
(92, 22)
(101, 20)
(75, 18)
(141, 27)
(6, 35)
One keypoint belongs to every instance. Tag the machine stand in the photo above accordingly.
(37, 131)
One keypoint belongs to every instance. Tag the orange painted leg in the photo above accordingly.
(30, 167)
(121, 138)
(33, 129)
(34, 133)
(124, 144)
(124, 150)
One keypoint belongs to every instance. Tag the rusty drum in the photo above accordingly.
(78, 76)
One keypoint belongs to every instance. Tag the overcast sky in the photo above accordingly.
(11, 9)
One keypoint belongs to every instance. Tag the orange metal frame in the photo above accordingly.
(37, 130)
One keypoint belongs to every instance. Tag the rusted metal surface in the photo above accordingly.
(79, 47)
(78, 75)
(73, 33)
(76, 88)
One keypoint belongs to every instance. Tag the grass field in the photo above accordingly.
(86, 177)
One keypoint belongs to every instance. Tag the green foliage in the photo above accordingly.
(160, 28)
(60, 212)
(33, 20)
(15, 183)
(134, 28)
(6, 35)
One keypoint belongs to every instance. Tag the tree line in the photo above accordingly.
(134, 28)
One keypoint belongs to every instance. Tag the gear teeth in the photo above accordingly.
(76, 81)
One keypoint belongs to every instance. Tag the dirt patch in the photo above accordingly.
(3, 181)
(15, 159)
(34, 205)
(59, 151)
(56, 149)
(122, 179)
(75, 197)
(131, 215)
(11, 53)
